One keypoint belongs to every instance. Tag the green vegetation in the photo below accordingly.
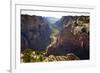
(29, 55)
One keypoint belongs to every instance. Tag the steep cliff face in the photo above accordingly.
(71, 39)
(35, 33)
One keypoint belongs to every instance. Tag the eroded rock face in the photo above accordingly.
(35, 32)
(68, 42)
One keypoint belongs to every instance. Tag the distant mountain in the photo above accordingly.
(51, 21)
(58, 23)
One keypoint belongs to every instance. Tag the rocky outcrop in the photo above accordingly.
(67, 57)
